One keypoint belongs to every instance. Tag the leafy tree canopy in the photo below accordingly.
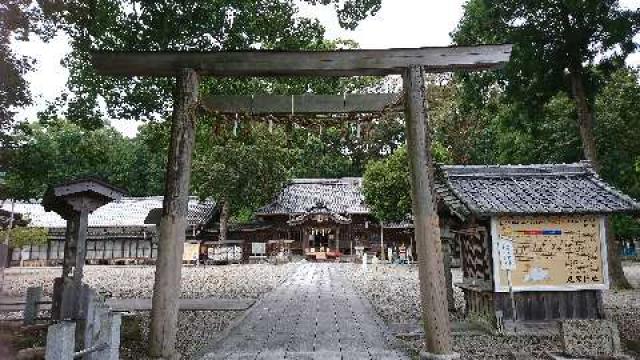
(172, 25)
(21, 236)
(386, 184)
(550, 37)
(55, 152)
(562, 49)
(244, 170)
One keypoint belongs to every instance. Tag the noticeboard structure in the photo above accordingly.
(532, 238)
(553, 253)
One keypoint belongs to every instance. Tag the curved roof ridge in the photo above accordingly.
(573, 169)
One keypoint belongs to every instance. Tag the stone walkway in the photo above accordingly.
(316, 314)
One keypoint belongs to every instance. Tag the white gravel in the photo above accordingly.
(624, 307)
(127, 282)
(195, 328)
(394, 293)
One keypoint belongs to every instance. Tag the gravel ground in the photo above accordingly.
(195, 328)
(624, 307)
(394, 293)
(127, 282)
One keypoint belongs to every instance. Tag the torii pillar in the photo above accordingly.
(173, 222)
(73, 201)
(426, 223)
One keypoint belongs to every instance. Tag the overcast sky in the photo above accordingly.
(400, 23)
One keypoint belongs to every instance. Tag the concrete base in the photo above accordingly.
(429, 356)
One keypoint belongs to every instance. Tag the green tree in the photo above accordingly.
(173, 26)
(17, 19)
(242, 171)
(21, 236)
(618, 117)
(556, 46)
(316, 154)
(386, 184)
(618, 142)
(559, 46)
(331, 150)
(56, 152)
(386, 187)
(145, 160)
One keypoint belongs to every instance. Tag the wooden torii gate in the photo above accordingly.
(412, 64)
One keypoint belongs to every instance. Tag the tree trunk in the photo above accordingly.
(382, 249)
(435, 316)
(617, 279)
(224, 221)
(585, 119)
(173, 223)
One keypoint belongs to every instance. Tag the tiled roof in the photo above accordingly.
(340, 196)
(128, 211)
(530, 189)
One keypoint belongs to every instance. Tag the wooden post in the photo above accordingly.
(4, 248)
(70, 245)
(32, 305)
(81, 247)
(173, 224)
(432, 280)
(446, 258)
(382, 249)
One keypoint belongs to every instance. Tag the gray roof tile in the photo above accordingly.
(128, 211)
(341, 196)
(520, 189)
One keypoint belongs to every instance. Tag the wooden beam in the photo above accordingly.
(173, 222)
(301, 63)
(299, 104)
(435, 316)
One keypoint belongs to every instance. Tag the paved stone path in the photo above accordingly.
(316, 314)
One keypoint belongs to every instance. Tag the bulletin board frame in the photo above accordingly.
(503, 288)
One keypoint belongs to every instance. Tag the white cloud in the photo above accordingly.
(50, 77)
(399, 23)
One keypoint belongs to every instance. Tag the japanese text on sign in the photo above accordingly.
(507, 257)
(550, 252)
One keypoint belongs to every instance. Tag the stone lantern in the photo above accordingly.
(73, 201)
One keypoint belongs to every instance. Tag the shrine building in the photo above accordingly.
(121, 232)
(318, 219)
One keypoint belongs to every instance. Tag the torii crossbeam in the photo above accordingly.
(358, 62)
(410, 63)
(300, 104)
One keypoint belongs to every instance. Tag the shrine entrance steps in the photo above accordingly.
(315, 314)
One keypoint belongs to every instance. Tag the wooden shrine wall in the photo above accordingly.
(552, 253)
(98, 250)
(475, 253)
